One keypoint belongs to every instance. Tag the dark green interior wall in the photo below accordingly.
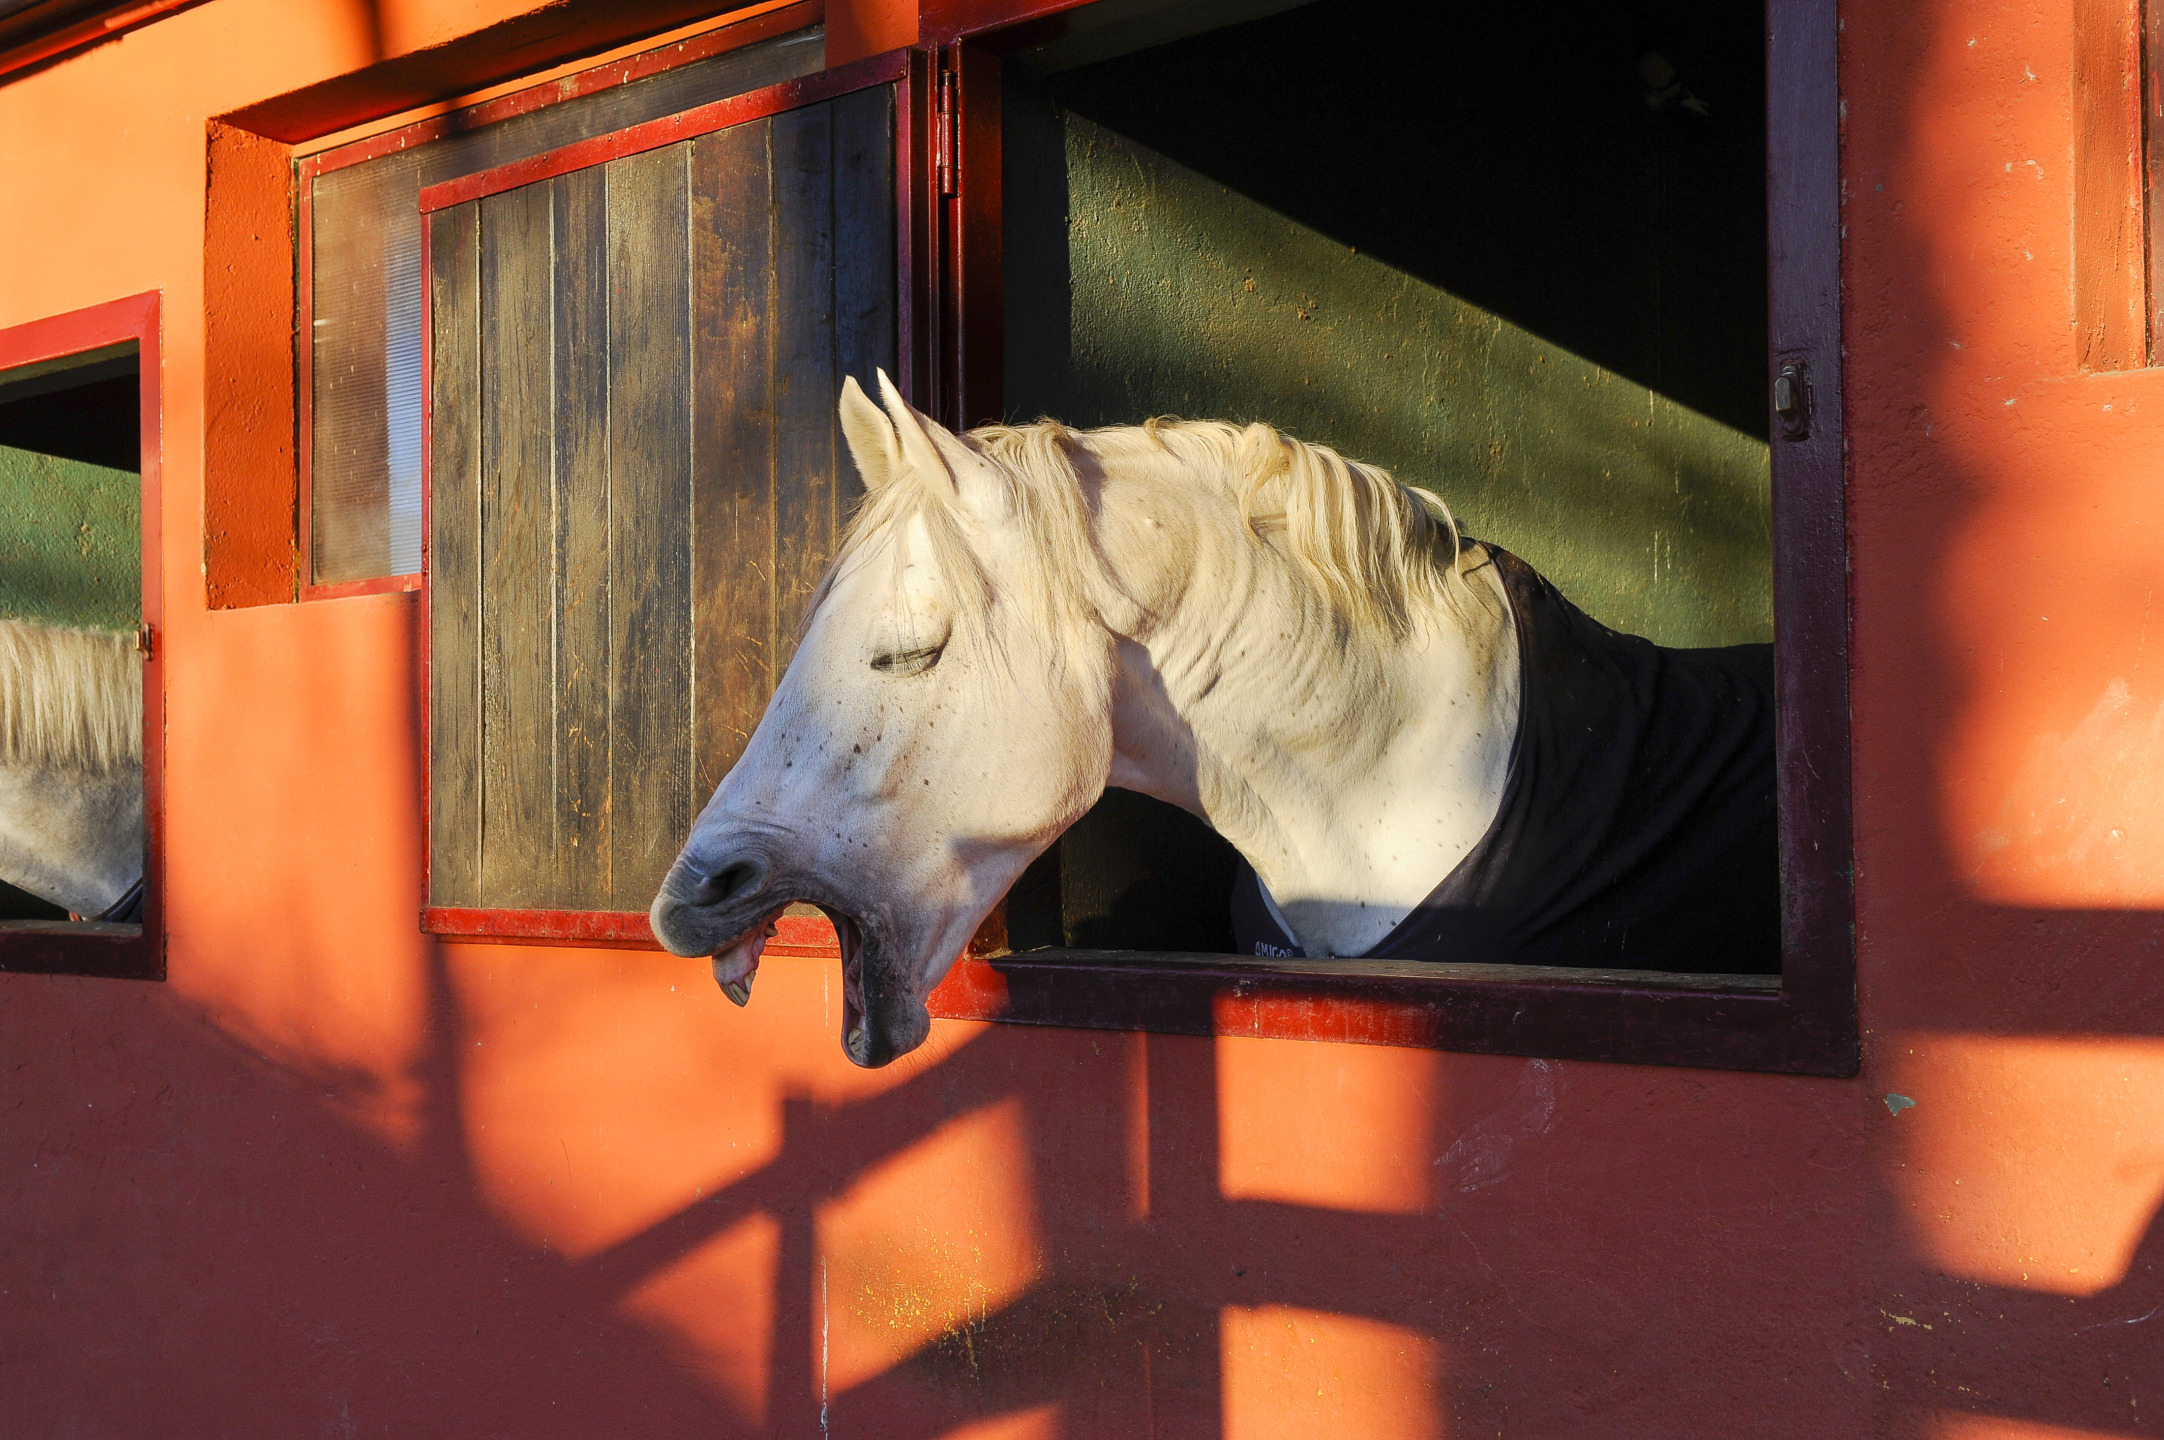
(1508, 280)
(1191, 299)
(1514, 255)
(70, 542)
(71, 518)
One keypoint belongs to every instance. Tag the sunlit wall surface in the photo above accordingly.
(333, 1179)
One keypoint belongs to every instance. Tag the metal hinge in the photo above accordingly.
(143, 639)
(946, 143)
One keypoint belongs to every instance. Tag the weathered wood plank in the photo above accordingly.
(807, 384)
(649, 265)
(517, 453)
(581, 519)
(733, 491)
(454, 585)
(863, 254)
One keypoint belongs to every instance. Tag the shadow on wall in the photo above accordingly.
(255, 1262)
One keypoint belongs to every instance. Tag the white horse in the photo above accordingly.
(1289, 645)
(71, 768)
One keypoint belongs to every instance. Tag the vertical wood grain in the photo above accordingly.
(454, 687)
(637, 483)
(649, 267)
(733, 496)
(863, 254)
(517, 454)
(805, 380)
(581, 542)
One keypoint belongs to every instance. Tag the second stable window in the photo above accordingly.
(1533, 281)
(635, 482)
(361, 342)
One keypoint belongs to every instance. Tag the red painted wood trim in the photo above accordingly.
(1018, 22)
(85, 33)
(304, 377)
(375, 585)
(654, 134)
(916, 254)
(799, 935)
(425, 633)
(522, 45)
(1518, 1016)
(756, 23)
(136, 318)
(965, 234)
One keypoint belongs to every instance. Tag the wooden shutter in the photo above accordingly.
(636, 478)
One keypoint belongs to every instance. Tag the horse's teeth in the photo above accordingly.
(738, 991)
(856, 1041)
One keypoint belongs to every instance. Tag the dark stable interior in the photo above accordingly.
(1593, 172)
(98, 421)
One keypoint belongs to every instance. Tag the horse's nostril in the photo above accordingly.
(718, 887)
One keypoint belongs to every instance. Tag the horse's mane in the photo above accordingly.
(69, 698)
(1369, 547)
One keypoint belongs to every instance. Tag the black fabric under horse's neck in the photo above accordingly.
(1636, 829)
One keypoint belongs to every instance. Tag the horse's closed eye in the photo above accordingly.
(907, 662)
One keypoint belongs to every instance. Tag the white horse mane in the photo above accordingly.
(69, 698)
(1369, 547)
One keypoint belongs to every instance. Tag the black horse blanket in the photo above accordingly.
(1636, 829)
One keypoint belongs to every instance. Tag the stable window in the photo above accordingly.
(360, 334)
(81, 688)
(1533, 277)
(635, 478)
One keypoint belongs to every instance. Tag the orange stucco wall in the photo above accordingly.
(332, 1179)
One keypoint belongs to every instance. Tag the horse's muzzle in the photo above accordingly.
(700, 910)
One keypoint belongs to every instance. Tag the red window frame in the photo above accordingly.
(909, 72)
(59, 950)
(1805, 1025)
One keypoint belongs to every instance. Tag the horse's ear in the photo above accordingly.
(914, 428)
(871, 438)
(931, 448)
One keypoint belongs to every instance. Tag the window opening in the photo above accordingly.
(71, 599)
(362, 341)
(1530, 277)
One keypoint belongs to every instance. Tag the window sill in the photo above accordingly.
(795, 934)
(1635, 1017)
(374, 585)
(78, 947)
(1736, 1022)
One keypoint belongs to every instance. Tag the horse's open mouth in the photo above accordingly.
(856, 1041)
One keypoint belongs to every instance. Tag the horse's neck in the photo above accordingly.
(71, 839)
(1352, 777)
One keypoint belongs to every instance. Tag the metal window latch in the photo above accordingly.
(143, 639)
(1792, 400)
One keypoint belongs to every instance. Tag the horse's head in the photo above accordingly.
(946, 716)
